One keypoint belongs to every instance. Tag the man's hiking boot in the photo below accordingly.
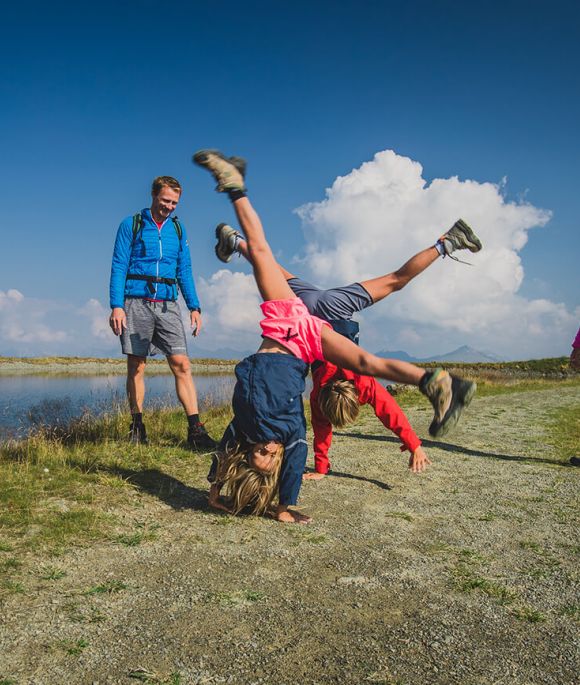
(228, 172)
(198, 438)
(227, 242)
(137, 433)
(449, 396)
(460, 237)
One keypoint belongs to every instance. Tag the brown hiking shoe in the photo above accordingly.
(229, 172)
(449, 396)
(436, 385)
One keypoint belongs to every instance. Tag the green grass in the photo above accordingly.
(74, 647)
(525, 613)
(51, 573)
(467, 580)
(399, 515)
(108, 588)
(144, 675)
(563, 431)
(68, 487)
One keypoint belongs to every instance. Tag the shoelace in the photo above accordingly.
(456, 259)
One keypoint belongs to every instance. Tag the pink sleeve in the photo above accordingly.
(576, 342)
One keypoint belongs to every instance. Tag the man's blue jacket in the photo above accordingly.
(153, 252)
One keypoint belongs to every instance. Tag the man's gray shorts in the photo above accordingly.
(153, 327)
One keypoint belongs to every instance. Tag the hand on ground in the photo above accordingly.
(419, 461)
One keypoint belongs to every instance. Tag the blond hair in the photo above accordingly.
(164, 182)
(338, 401)
(245, 485)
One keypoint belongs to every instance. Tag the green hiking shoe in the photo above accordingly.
(227, 242)
(449, 396)
(460, 237)
(229, 172)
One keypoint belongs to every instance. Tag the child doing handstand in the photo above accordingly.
(338, 393)
(264, 447)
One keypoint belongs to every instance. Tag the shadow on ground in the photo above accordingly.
(373, 481)
(154, 482)
(450, 447)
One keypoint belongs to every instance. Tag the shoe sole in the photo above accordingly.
(463, 392)
(220, 245)
(200, 158)
(474, 243)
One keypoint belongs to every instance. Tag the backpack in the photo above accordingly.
(138, 225)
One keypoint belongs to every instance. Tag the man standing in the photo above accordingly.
(151, 258)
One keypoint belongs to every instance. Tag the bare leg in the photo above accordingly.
(243, 250)
(379, 288)
(136, 382)
(184, 386)
(269, 278)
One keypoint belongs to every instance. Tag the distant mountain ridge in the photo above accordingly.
(461, 354)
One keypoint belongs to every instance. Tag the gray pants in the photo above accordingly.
(153, 327)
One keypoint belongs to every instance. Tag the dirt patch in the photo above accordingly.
(466, 574)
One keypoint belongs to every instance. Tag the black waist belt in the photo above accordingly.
(150, 280)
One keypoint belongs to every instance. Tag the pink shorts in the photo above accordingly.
(291, 324)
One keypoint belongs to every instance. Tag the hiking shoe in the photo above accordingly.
(229, 172)
(460, 237)
(198, 438)
(137, 433)
(449, 396)
(227, 242)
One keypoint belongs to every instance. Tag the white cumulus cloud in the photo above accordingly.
(231, 311)
(373, 219)
(38, 327)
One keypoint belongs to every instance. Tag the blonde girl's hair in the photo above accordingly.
(246, 486)
(338, 401)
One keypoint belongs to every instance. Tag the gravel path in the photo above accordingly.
(466, 574)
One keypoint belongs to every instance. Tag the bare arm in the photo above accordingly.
(343, 352)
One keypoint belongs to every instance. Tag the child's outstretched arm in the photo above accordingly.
(448, 395)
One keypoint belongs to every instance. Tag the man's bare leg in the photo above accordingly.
(136, 382)
(184, 385)
(136, 394)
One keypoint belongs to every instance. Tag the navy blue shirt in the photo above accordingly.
(267, 406)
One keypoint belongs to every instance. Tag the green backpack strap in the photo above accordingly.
(178, 228)
(137, 225)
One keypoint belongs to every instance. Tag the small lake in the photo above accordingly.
(30, 401)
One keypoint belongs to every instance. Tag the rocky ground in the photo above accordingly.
(466, 574)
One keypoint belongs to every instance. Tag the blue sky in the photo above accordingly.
(98, 99)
